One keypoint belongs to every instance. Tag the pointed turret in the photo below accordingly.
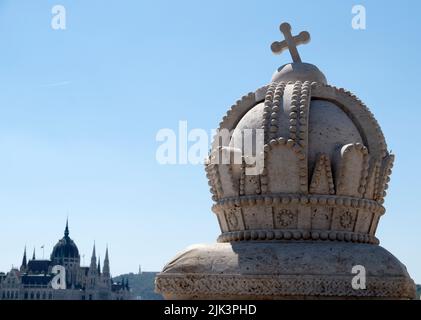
(33, 254)
(93, 259)
(66, 230)
(106, 267)
(93, 270)
(24, 262)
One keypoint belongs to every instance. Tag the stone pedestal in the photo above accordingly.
(283, 270)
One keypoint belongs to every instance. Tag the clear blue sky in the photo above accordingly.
(80, 108)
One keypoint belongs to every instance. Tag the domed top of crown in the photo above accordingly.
(299, 160)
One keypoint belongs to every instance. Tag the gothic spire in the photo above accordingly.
(106, 254)
(106, 267)
(66, 230)
(24, 257)
(33, 254)
(93, 259)
(24, 262)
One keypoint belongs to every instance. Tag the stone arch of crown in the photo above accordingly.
(359, 114)
(349, 114)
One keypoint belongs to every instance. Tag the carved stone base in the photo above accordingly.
(283, 270)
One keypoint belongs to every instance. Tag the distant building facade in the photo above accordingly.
(33, 280)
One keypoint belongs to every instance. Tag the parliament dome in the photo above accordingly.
(65, 247)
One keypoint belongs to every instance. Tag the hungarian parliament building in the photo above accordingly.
(34, 279)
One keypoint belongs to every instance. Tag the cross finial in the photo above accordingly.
(290, 42)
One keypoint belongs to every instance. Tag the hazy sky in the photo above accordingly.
(80, 109)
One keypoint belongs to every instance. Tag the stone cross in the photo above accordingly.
(290, 42)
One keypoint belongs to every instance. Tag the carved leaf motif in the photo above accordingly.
(353, 170)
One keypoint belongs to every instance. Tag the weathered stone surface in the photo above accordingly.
(276, 270)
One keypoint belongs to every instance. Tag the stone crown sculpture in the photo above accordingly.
(326, 164)
(296, 228)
